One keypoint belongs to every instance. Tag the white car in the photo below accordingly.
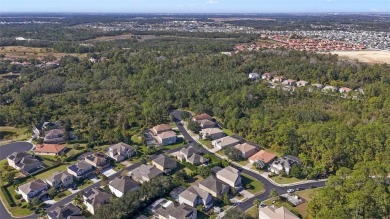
(290, 190)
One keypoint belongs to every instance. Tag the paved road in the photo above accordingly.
(267, 184)
(10, 148)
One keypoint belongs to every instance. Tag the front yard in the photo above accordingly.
(206, 143)
(285, 180)
(251, 184)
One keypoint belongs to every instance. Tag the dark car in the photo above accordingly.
(299, 189)
(313, 187)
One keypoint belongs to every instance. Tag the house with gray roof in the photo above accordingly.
(191, 154)
(60, 179)
(33, 189)
(81, 169)
(182, 211)
(120, 151)
(197, 159)
(24, 162)
(285, 163)
(121, 185)
(230, 176)
(164, 163)
(145, 173)
(94, 198)
(205, 123)
(54, 136)
(214, 186)
(68, 211)
(225, 142)
(194, 196)
(211, 133)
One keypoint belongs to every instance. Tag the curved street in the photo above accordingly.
(10, 148)
(268, 185)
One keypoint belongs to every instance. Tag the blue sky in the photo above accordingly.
(195, 6)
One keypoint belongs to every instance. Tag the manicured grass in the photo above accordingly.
(252, 212)
(251, 184)
(66, 192)
(243, 162)
(228, 131)
(15, 211)
(8, 134)
(284, 180)
(86, 183)
(206, 143)
(48, 173)
(119, 166)
(180, 142)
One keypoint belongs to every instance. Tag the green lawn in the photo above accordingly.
(228, 131)
(48, 173)
(180, 142)
(9, 134)
(251, 184)
(285, 180)
(119, 166)
(15, 211)
(206, 143)
(243, 162)
(86, 183)
(252, 212)
(66, 192)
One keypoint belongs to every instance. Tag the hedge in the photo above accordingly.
(8, 196)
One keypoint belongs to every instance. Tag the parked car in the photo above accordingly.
(313, 187)
(262, 204)
(290, 190)
(299, 189)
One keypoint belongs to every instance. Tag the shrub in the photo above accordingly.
(61, 194)
(18, 196)
(8, 197)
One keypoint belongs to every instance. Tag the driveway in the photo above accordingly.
(10, 148)
(109, 172)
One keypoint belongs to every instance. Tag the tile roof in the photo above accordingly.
(211, 131)
(263, 155)
(49, 148)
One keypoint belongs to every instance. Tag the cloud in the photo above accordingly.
(212, 1)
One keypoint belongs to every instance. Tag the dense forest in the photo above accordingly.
(132, 89)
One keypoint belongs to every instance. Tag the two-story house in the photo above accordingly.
(145, 173)
(121, 185)
(95, 198)
(120, 151)
(214, 186)
(225, 142)
(230, 176)
(60, 179)
(67, 211)
(211, 133)
(194, 196)
(164, 163)
(24, 162)
(33, 189)
(81, 169)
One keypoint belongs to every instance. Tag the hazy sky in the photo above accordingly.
(195, 6)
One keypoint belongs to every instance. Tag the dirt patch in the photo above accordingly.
(374, 57)
(15, 52)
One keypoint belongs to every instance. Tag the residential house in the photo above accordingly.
(194, 196)
(202, 116)
(266, 76)
(60, 179)
(94, 198)
(121, 185)
(81, 169)
(205, 123)
(214, 186)
(161, 128)
(182, 211)
(166, 138)
(24, 162)
(50, 149)
(254, 76)
(120, 151)
(246, 149)
(211, 133)
(262, 155)
(302, 83)
(225, 142)
(271, 212)
(345, 90)
(278, 79)
(98, 160)
(289, 82)
(145, 173)
(319, 86)
(329, 89)
(164, 163)
(230, 176)
(54, 136)
(33, 189)
(41, 127)
(68, 211)
(196, 159)
(285, 163)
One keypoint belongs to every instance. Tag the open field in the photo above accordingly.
(374, 57)
(8, 134)
(121, 37)
(32, 52)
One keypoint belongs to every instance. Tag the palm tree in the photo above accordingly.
(256, 204)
